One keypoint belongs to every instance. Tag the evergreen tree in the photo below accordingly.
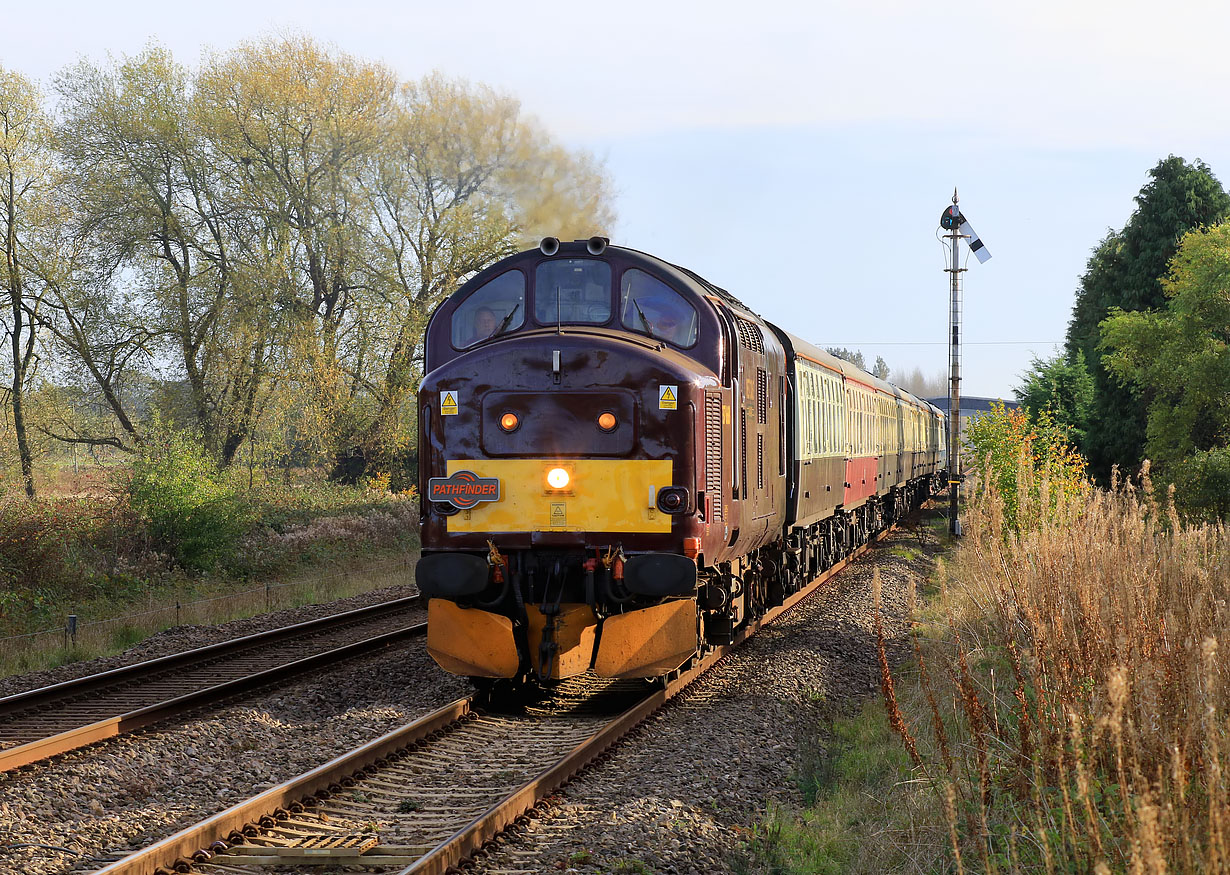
(1126, 271)
(1062, 387)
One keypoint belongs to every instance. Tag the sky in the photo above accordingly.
(800, 154)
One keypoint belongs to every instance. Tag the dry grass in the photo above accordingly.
(1068, 697)
(105, 636)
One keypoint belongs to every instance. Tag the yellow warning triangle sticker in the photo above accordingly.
(448, 404)
(667, 394)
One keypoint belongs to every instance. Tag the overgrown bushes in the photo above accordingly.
(1020, 458)
(172, 516)
(189, 507)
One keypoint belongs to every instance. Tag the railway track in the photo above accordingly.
(424, 797)
(41, 723)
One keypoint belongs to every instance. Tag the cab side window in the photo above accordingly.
(494, 308)
(649, 306)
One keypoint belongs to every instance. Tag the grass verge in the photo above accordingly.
(200, 602)
(1066, 709)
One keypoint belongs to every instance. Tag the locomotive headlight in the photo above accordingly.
(607, 421)
(509, 422)
(558, 478)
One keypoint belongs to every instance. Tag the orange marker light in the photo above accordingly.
(607, 422)
(557, 478)
(509, 422)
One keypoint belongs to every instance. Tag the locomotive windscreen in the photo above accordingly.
(572, 290)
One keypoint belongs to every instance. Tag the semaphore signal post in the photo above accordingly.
(957, 227)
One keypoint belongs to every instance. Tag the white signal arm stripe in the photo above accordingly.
(976, 245)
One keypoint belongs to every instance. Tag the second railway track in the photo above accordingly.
(41, 723)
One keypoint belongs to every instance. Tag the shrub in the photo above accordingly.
(49, 544)
(1202, 485)
(191, 509)
(1020, 459)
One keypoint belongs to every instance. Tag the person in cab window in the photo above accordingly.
(485, 325)
(665, 321)
(667, 327)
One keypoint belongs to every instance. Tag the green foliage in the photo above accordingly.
(1023, 459)
(42, 545)
(1179, 358)
(845, 787)
(1062, 388)
(1126, 271)
(191, 509)
(1202, 484)
(251, 246)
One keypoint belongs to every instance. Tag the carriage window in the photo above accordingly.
(495, 308)
(572, 290)
(650, 306)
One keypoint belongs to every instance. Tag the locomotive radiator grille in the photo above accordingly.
(749, 335)
(743, 453)
(760, 461)
(713, 454)
(762, 396)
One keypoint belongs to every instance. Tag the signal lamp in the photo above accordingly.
(509, 422)
(607, 421)
(557, 478)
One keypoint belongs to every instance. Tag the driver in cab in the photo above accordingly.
(661, 319)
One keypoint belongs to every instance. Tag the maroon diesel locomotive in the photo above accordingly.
(621, 464)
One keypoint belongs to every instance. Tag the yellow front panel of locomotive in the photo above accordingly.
(603, 495)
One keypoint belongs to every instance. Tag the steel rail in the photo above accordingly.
(46, 698)
(179, 852)
(496, 819)
(34, 751)
(190, 845)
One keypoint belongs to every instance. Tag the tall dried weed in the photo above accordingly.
(1107, 751)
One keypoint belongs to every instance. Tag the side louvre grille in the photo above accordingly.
(749, 335)
(760, 461)
(762, 396)
(743, 453)
(713, 455)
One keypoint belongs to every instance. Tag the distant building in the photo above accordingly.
(971, 406)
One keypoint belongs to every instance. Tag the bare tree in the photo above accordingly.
(923, 385)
